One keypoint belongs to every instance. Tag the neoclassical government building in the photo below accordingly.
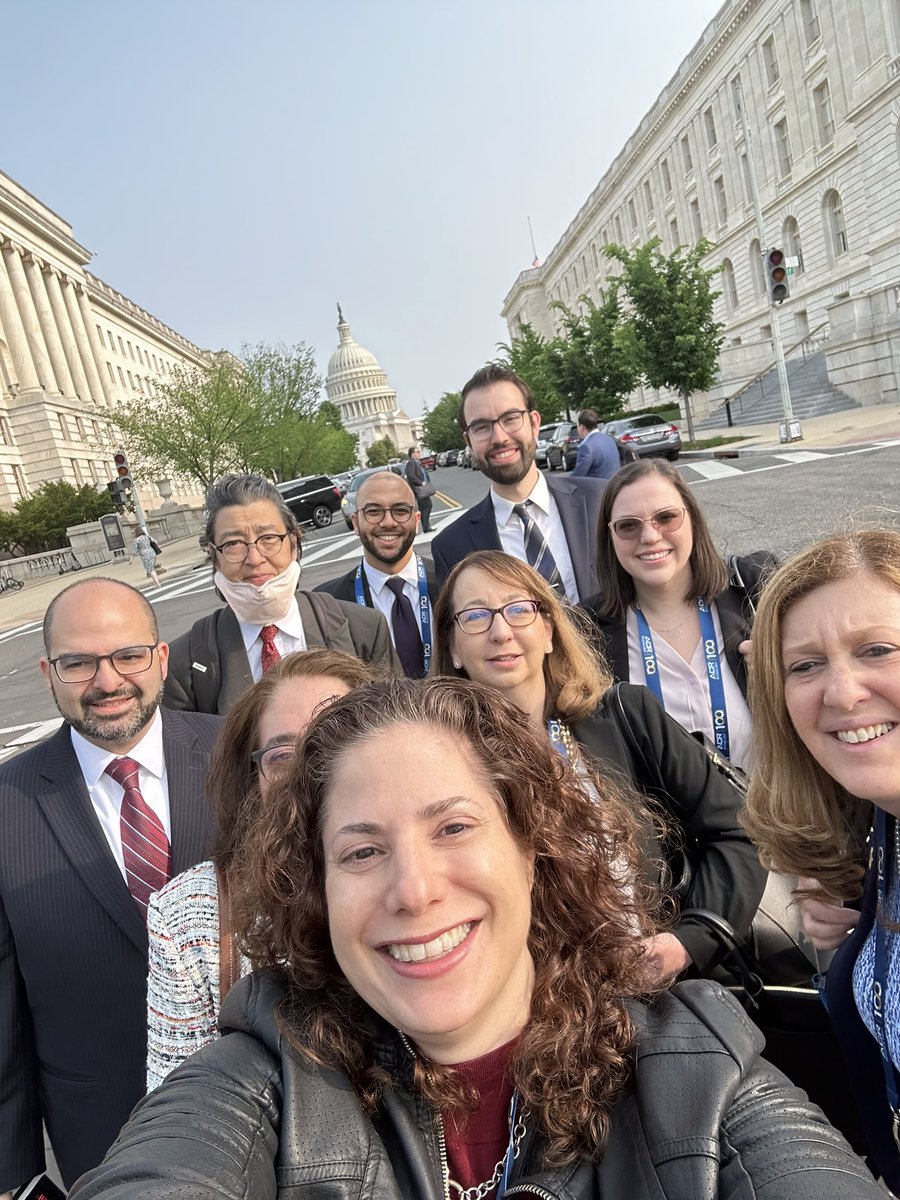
(821, 87)
(71, 349)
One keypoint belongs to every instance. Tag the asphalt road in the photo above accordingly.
(779, 502)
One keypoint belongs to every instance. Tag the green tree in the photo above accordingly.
(672, 300)
(39, 522)
(381, 452)
(527, 355)
(441, 429)
(593, 363)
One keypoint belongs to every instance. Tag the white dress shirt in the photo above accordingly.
(545, 514)
(290, 636)
(383, 597)
(106, 795)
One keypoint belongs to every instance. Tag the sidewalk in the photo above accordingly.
(872, 423)
(179, 558)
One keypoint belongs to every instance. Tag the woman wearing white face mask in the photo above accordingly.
(253, 541)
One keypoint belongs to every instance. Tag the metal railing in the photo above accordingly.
(808, 346)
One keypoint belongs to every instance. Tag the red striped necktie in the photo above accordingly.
(145, 846)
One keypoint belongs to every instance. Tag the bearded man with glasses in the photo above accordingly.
(548, 522)
(391, 578)
(253, 541)
(92, 820)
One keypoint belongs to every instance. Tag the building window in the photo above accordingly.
(745, 177)
(112, 340)
(121, 376)
(21, 485)
(112, 374)
(121, 347)
(666, 176)
(810, 22)
(709, 123)
(729, 288)
(632, 215)
(594, 256)
(757, 275)
(617, 222)
(100, 334)
(770, 62)
(721, 200)
(80, 423)
(76, 471)
(791, 240)
(782, 148)
(5, 434)
(824, 113)
(835, 230)
(63, 432)
(696, 223)
(648, 198)
(736, 96)
(673, 233)
(686, 158)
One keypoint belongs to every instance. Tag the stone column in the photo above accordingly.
(94, 391)
(96, 349)
(14, 333)
(27, 312)
(67, 334)
(48, 326)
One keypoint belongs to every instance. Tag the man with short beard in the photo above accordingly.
(92, 820)
(387, 521)
(548, 522)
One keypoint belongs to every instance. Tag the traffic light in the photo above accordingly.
(776, 276)
(123, 470)
(115, 491)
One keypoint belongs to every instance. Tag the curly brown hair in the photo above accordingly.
(233, 781)
(588, 912)
(576, 675)
(708, 574)
(801, 820)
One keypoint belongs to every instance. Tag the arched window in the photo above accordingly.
(756, 270)
(792, 246)
(729, 288)
(835, 230)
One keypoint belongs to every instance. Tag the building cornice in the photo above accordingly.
(101, 295)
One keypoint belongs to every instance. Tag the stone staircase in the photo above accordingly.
(812, 395)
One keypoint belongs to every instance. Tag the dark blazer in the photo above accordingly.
(578, 502)
(73, 951)
(209, 668)
(345, 587)
(735, 607)
(598, 457)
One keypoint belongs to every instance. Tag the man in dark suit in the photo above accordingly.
(598, 454)
(91, 820)
(391, 577)
(417, 478)
(548, 522)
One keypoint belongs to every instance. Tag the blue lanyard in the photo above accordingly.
(424, 607)
(510, 1149)
(879, 973)
(713, 671)
(554, 733)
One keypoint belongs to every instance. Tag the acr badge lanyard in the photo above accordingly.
(424, 607)
(880, 972)
(713, 671)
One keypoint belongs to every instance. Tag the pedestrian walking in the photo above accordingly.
(417, 478)
(148, 551)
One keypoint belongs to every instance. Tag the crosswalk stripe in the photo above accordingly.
(799, 456)
(713, 470)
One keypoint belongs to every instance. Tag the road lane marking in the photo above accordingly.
(714, 470)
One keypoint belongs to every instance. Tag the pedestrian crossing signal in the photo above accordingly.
(776, 276)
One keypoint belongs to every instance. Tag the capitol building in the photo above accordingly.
(819, 84)
(367, 404)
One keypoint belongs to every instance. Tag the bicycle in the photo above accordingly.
(9, 584)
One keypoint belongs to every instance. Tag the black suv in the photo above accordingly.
(562, 449)
(313, 498)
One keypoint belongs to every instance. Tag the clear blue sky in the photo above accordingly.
(236, 168)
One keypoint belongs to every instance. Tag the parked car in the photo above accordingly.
(342, 481)
(562, 449)
(464, 458)
(427, 459)
(314, 498)
(348, 504)
(544, 438)
(645, 435)
(451, 458)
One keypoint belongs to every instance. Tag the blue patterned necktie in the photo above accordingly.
(407, 640)
(537, 548)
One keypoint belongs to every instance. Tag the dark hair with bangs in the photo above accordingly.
(708, 574)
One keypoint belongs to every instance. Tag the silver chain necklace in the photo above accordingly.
(480, 1190)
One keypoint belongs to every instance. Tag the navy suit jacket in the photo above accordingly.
(344, 588)
(578, 504)
(598, 457)
(73, 951)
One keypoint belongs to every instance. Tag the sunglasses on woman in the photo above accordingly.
(666, 520)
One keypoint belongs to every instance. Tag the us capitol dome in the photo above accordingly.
(359, 387)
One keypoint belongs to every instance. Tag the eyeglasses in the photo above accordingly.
(667, 520)
(375, 513)
(81, 668)
(510, 422)
(516, 614)
(268, 545)
(272, 760)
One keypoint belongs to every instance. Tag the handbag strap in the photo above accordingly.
(229, 970)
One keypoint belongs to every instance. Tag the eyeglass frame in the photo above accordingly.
(538, 609)
(651, 520)
(247, 545)
(522, 413)
(103, 658)
(257, 756)
(385, 509)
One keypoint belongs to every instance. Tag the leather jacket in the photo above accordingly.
(704, 1118)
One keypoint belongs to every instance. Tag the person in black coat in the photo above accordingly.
(498, 622)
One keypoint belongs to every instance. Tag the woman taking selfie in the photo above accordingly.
(192, 956)
(460, 1007)
(498, 622)
(670, 613)
(826, 793)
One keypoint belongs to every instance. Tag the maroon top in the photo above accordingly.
(474, 1151)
